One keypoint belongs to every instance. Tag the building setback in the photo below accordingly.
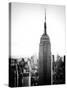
(45, 58)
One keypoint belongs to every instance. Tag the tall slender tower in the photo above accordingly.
(45, 58)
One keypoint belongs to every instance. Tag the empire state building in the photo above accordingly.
(45, 58)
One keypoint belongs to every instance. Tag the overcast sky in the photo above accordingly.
(27, 27)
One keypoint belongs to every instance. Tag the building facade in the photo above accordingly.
(45, 58)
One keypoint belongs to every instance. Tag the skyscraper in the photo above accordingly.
(45, 58)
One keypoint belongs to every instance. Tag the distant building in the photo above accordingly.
(45, 58)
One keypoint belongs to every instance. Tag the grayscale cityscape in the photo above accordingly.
(44, 69)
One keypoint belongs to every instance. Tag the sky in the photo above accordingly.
(27, 27)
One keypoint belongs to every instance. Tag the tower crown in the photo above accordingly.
(45, 38)
(45, 25)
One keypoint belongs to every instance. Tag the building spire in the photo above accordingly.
(45, 24)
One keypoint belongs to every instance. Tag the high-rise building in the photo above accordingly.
(45, 58)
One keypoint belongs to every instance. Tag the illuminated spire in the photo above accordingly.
(45, 24)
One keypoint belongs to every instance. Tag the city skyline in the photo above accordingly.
(27, 26)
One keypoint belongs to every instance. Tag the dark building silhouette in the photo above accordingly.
(64, 69)
(45, 58)
(12, 72)
(59, 70)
